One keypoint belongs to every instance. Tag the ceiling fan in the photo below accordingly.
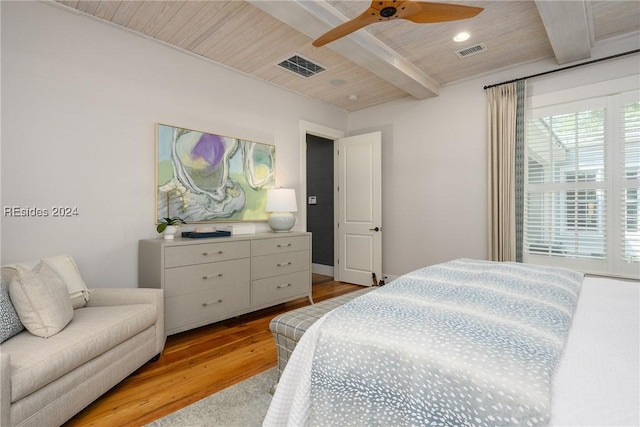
(415, 11)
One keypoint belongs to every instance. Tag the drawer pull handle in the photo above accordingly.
(284, 264)
(209, 277)
(208, 253)
(204, 304)
(288, 245)
(283, 286)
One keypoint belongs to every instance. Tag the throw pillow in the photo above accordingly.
(10, 324)
(41, 300)
(68, 270)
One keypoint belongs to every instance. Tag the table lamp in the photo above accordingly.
(281, 202)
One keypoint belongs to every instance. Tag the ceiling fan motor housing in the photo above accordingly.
(388, 12)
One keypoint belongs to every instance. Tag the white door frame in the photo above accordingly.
(323, 132)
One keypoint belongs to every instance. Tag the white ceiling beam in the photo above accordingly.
(569, 27)
(314, 18)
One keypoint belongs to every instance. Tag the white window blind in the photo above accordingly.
(629, 175)
(581, 185)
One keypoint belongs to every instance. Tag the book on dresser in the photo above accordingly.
(208, 280)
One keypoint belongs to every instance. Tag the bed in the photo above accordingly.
(590, 348)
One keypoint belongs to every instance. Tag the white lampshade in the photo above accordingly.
(281, 202)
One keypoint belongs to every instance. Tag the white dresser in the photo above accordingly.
(208, 280)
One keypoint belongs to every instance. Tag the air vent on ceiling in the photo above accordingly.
(301, 66)
(463, 53)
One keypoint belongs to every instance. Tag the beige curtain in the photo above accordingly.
(501, 137)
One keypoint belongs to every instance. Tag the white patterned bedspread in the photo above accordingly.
(460, 343)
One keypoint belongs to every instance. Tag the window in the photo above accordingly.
(630, 177)
(631, 208)
(581, 184)
(582, 205)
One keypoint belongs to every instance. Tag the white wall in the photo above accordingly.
(434, 160)
(80, 100)
(434, 177)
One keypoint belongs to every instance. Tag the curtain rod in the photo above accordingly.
(565, 68)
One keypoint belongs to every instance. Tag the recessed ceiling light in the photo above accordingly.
(461, 37)
(353, 97)
(337, 82)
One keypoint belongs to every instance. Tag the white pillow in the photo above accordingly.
(41, 300)
(66, 267)
(68, 270)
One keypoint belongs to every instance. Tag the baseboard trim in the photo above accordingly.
(325, 270)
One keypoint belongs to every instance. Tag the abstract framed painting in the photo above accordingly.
(205, 177)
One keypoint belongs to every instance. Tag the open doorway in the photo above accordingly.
(329, 135)
(320, 203)
(357, 251)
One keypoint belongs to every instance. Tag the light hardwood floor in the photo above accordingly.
(198, 363)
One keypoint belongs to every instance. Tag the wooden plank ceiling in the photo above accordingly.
(383, 62)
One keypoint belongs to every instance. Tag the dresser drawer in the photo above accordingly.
(196, 278)
(271, 289)
(279, 245)
(203, 306)
(274, 265)
(175, 256)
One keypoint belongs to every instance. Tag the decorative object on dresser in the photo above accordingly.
(205, 234)
(216, 178)
(246, 228)
(281, 202)
(169, 226)
(208, 280)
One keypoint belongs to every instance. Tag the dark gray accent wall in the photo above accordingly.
(320, 185)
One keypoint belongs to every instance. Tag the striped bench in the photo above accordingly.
(287, 328)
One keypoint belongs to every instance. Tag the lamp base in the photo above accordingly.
(281, 222)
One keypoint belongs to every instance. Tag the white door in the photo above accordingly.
(359, 195)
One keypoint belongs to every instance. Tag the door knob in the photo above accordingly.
(375, 229)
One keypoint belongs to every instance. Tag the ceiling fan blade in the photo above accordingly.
(362, 20)
(423, 12)
(386, 10)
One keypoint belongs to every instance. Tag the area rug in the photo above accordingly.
(244, 404)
